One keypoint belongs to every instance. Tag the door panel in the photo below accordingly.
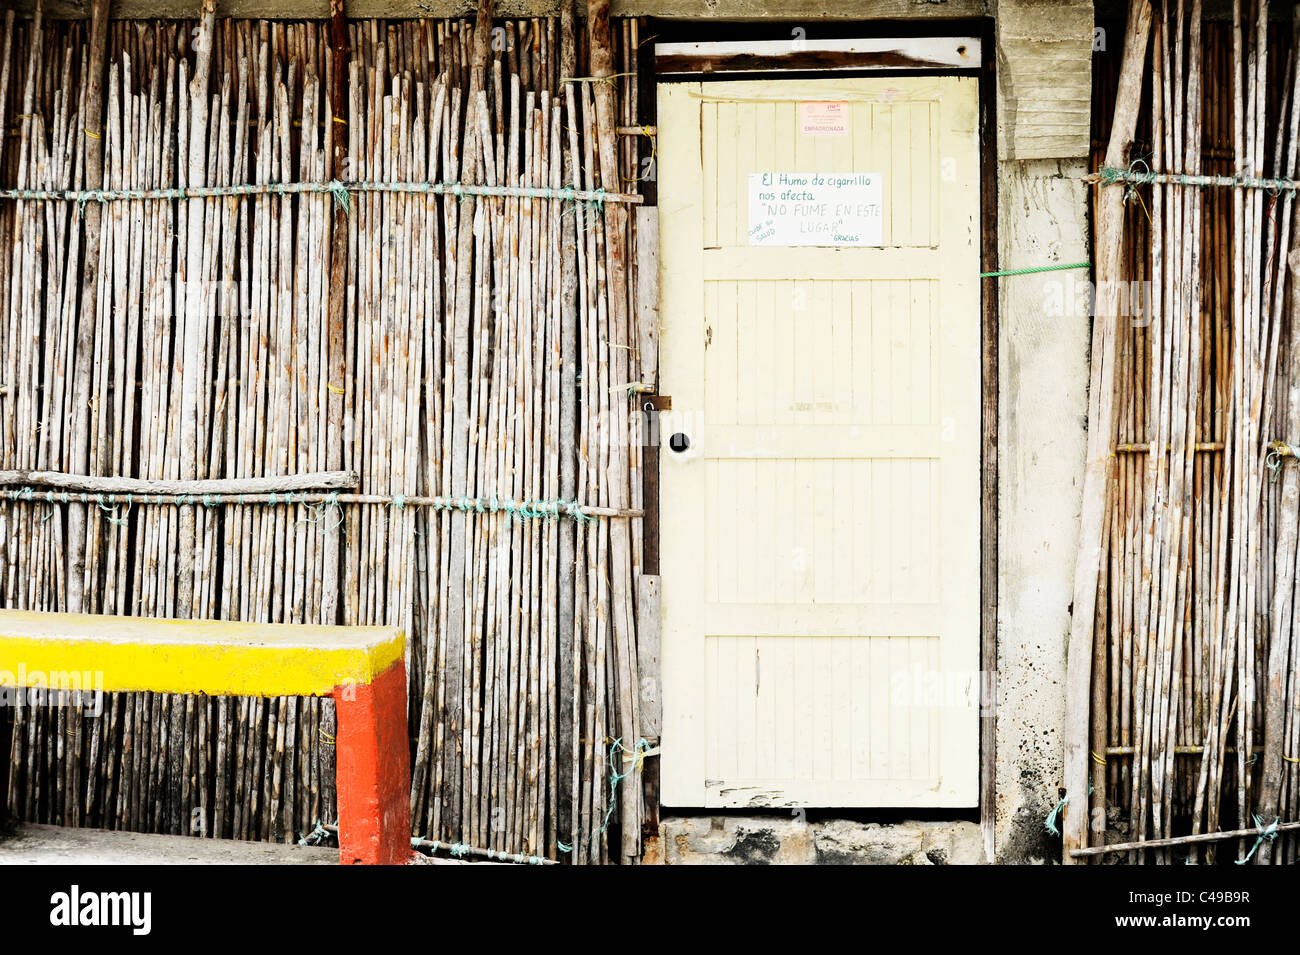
(820, 534)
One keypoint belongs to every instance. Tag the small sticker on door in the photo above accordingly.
(824, 119)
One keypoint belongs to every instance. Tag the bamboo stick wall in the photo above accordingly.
(474, 347)
(1195, 675)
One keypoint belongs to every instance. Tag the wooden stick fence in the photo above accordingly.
(339, 189)
(1192, 649)
(391, 409)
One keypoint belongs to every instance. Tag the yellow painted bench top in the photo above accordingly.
(213, 657)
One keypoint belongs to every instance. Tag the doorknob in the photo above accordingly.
(679, 442)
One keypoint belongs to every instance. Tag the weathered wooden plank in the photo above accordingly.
(647, 297)
(857, 54)
(647, 293)
(1101, 397)
(647, 652)
(807, 10)
(988, 458)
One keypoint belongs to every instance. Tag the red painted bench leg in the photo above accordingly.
(373, 771)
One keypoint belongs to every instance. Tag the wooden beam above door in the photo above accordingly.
(716, 10)
(801, 54)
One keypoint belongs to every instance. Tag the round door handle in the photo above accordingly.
(679, 442)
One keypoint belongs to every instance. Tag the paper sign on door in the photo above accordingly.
(822, 208)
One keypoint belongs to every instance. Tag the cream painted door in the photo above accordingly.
(820, 534)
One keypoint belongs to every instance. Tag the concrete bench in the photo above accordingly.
(361, 667)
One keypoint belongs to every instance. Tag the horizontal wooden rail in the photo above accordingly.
(95, 484)
(1203, 447)
(1179, 841)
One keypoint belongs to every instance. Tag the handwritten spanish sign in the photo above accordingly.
(824, 119)
(815, 208)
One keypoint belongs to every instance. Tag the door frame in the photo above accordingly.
(648, 83)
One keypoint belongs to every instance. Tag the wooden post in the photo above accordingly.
(1279, 656)
(988, 454)
(94, 143)
(648, 611)
(190, 371)
(1101, 395)
(648, 615)
(602, 68)
(567, 753)
(336, 374)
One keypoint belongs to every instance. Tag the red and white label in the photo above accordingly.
(824, 119)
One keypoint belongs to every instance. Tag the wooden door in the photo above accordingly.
(819, 260)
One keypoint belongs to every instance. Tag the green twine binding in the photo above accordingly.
(112, 511)
(1136, 169)
(320, 510)
(1111, 176)
(316, 836)
(1265, 832)
(1050, 822)
(615, 777)
(341, 196)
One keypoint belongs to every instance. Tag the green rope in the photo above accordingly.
(1110, 176)
(1040, 268)
(1265, 832)
(316, 836)
(343, 198)
(615, 777)
(575, 511)
(110, 509)
(594, 198)
(1050, 822)
(319, 511)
